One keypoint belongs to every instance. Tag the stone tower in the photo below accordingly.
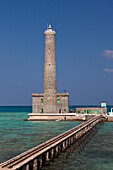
(50, 101)
(50, 98)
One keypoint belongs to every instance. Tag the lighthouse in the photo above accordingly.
(50, 97)
(49, 102)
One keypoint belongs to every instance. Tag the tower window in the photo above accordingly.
(95, 111)
(49, 87)
(49, 64)
(87, 111)
(41, 100)
(41, 110)
(58, 101)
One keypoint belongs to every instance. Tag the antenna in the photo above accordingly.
(47, 25)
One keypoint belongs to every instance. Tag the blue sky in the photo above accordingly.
(84, 49)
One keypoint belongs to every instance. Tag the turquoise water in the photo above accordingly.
(18, 135)
(9, 109)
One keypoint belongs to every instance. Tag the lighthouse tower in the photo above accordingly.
(50, 97)
(49, 102)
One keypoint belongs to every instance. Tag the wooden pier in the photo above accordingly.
(41, 155)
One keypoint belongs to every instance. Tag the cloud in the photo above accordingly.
(107, 70)
(108, 53)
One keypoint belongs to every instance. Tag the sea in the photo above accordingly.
(18, 135)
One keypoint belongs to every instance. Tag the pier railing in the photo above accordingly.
(37, 157)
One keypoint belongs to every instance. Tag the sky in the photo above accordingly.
(84, 49)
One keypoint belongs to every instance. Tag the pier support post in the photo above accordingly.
(27, 167)
(52, 154)
(64, 146)
(69, 141)
(76, 135)
(40, 162)
(56, 151)
(59, 148)
(47, 158)
(35, 165)
(66, 143)
(72, 140)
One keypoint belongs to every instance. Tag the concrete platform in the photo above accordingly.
(56, 117)
(63, 117)
(110, 118)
